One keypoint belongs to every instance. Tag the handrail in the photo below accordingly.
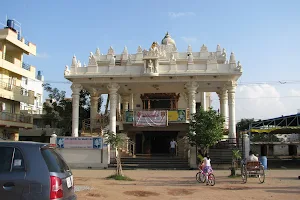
(15, 117)
(95, 123)
(26, 66)
(14, 88)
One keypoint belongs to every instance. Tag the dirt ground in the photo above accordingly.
(175, 185)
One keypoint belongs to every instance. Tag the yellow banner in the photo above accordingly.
(273, 129)
(177, 116)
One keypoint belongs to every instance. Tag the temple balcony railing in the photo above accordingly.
(180, 115)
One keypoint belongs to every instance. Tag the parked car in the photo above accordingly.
(34, 171)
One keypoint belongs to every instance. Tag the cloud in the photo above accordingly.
(174, 15)
(259, 102)
(263, 101)
(42, 55)
(189, 40)
(294, 92)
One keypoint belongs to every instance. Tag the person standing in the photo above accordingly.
(207, 167)
(173, 145)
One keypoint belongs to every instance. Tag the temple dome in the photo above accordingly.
(168, 40)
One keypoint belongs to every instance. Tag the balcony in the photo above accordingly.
(16, 93)
(12, 37)
(16, 66)
(15, 120)
(174, 116)
(17, 62)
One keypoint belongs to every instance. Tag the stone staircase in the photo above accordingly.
(162, 162)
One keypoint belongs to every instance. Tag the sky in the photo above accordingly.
(264, 35)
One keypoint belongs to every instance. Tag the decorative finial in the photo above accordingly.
(74, 61)
(78, 63)
(189, 49)
(224, 53)
(239, 67)
(139, 49)
(218, 48)
(111, 51)
(67, 71)
(125, 51)
(232, 58)
(203, 48)
(97, 53)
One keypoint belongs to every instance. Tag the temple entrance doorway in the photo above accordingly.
(158, 142)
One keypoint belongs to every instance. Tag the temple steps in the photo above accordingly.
(152, 162)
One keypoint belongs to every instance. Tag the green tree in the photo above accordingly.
(244, 124)
(116, 141)
(205, 129)
(59, 111)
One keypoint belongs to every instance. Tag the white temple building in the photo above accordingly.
(153, 92)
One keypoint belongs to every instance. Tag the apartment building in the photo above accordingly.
(20, 88)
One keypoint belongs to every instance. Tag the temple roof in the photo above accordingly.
(168, 40)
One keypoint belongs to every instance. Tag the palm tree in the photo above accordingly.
(236, 156)
(116, 141)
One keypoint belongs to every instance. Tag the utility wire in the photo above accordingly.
(278, 82)
(280, 97)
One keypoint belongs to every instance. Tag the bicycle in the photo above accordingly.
(201, 178)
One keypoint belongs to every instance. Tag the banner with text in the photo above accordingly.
(151, 118)
(80, 142)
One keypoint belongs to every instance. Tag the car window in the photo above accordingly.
(5, 159)
(54, 161)
(18, 162)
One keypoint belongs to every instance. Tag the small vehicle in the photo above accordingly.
(30, 170)
(253, 168)
(201, 178)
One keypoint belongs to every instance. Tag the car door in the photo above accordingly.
(12, 173)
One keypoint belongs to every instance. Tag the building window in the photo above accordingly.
(2, 107)
(13, 108)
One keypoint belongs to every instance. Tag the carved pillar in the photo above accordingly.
(223, 96)
(203, 100)
(132, 102)
(113, 97)
(125, 102)
(231, 106)
(94, 107)
(95, 95)
(192, 89)
(76, 88)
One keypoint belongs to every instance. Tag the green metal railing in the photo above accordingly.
(5, 116)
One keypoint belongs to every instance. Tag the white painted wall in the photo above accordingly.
(281, 150)
(84, 158)
(36, 86)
